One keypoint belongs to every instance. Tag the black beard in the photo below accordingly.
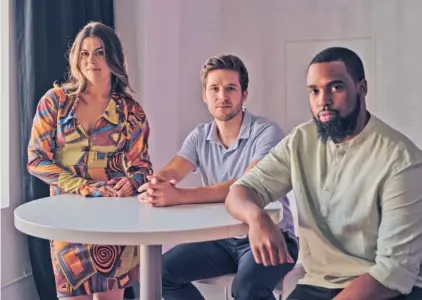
(338, 128)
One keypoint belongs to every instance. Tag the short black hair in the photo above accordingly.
(226, 62)
(350, 59)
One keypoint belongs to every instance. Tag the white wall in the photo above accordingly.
(15, 264)
(276, 39)
(4, 91)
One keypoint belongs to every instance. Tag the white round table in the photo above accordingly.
(126, 221)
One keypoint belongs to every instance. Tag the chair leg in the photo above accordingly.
(226, 293)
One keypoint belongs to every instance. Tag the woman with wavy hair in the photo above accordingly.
(90, 137)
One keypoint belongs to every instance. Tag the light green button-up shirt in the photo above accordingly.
(359, 203)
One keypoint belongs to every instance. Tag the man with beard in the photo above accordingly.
(222, 150)
(357, 184)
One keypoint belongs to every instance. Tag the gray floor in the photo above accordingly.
(209, 292)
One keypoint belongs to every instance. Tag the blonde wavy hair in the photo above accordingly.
(113, 53)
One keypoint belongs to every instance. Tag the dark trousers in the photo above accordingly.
(307, 292)
(186, 263)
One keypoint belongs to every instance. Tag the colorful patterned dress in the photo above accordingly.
(64, 156)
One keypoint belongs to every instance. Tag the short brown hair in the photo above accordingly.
(226, 62)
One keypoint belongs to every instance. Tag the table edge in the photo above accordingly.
(135, 238)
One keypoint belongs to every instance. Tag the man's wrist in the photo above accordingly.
(182, 195)
(257, 216)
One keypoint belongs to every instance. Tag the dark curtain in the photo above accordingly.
(44, 30)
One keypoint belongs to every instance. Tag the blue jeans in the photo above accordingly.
(186, 263)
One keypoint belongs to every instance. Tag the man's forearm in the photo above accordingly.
(365, 287)
(205, 194)
(244, 204)
(169, 174)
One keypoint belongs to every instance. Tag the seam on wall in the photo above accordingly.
(24, 276)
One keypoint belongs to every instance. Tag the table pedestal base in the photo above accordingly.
(150, 272)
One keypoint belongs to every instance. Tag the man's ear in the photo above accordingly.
(244, 96)
(203, 95)
(363, 87)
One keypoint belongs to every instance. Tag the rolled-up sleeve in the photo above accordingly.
(271, 177)
(399, 244)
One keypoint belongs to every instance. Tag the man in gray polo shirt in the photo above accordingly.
(222, 150)
(357, 184)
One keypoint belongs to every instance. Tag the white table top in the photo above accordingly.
(126, 221)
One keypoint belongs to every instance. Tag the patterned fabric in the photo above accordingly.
(64, 156)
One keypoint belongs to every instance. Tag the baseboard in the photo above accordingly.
(24, 276)
(20, 288)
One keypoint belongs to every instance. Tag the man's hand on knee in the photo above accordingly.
(268, 243)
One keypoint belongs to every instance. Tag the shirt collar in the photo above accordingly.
(111, 112)
(359, 138)
(245, 129)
